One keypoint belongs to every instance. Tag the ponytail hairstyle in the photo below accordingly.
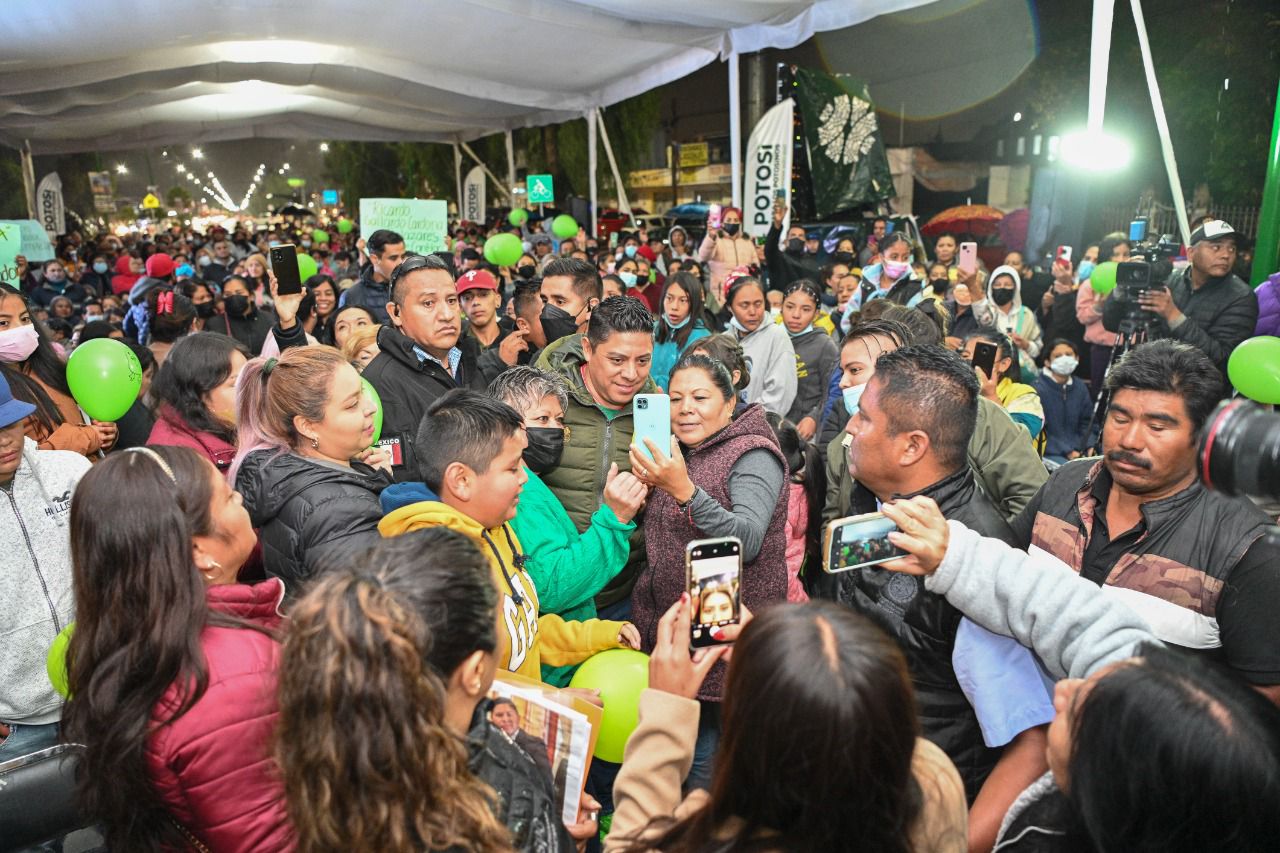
(367, 758)
(807, 469)
(169, 316)
(140, 610)
(271, 391)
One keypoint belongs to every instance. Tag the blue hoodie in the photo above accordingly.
(402, 494)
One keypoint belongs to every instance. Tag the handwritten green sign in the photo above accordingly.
(25, 237)
(421, 222)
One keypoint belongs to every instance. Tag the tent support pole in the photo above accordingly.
(623, 204)
(506, 191)
(592, 142)
(1269, 221)
(511, 166)
(457, 176)
(29, 178)
(1162, 124)
(735, 130)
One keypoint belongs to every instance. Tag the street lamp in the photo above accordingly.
(324, 146)
(197, 153)
(1096, 151)
(122, 169)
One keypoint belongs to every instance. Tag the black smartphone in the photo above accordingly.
(284, 263)
(715, 568)
(984, 356)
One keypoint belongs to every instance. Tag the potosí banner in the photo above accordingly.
(768, 169)
(421, 222)
(473, 191)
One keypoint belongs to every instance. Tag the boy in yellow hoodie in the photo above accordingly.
(470, 449)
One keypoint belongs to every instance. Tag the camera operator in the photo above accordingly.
(1139, 522)
(1205, 305)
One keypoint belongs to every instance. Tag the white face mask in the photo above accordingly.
(18, 343)
(1064, 365)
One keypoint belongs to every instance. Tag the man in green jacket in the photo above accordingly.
(604, 369)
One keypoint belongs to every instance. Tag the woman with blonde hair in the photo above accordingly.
(361, 346)
(305, 467)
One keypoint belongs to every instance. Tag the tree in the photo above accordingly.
(178, 197)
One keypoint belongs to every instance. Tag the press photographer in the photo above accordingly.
(1203, 304)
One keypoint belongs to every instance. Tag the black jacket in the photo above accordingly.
(307, 511)
(785, 268)
(408, 386)
(526, 794)
(251, 331)
(369, 294)
(925, 625)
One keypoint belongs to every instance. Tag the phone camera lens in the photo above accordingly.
(642, 404)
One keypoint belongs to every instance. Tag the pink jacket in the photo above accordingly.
(212, 766)
(1089, 313)
(171, 430)
(797, 522)
(722, 255)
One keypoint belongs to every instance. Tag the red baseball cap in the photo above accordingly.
(473, 279)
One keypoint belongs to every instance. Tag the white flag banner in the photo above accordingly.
(473, 201)
(50, 209)
(768, 169)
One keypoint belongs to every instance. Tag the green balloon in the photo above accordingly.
(1254, 369)
(503, 250)
(345, 225)
(307, 266)
(56, 662)
(620, 675)
(320, 235)
(1103, 279)
(372, 394)
(105, 377)
(564, 226)
(518, 216)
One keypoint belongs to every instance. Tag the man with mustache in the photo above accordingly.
(1194, 563)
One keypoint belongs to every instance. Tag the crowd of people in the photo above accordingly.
(287, 598)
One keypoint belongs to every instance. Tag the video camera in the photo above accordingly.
(1149, 267)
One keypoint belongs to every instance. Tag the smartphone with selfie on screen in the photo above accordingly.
(714, 571)
(858, 542)
(968, 261)
(284, 263)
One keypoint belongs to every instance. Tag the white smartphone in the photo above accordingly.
(968, 257)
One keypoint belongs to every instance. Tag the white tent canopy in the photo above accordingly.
(117, 74)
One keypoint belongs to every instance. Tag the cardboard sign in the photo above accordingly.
(24, 237)
(421, 222)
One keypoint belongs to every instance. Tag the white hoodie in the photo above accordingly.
(37, 602)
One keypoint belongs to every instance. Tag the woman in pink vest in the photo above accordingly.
(725, 476)
(172, 664)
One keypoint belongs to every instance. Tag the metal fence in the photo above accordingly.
(1243, 218)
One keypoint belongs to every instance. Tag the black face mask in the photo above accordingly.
(1002, 295)
(557, 323)
(205, 310)
(940, 285)
(546, 444)
(526, 271)
(795, 246)
(843, 257)
(731, 228)
(237, 304)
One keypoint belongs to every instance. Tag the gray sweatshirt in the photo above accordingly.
(37, 602)
(772, 362)
(1038, 601)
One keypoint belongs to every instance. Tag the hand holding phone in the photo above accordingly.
(968, 261)
(673, 668)
(984, 357)
(858, 542)
(714, 571)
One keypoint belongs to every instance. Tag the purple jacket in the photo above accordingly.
(668, 529)
(1269, 306)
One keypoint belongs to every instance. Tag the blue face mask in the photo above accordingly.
(100, 268)
(675, 327)
(806, 330)
(851, 397)
(630, 251)
(628, 278)
(1085, 270)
